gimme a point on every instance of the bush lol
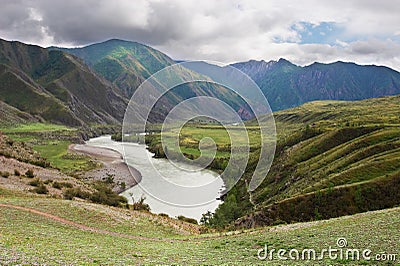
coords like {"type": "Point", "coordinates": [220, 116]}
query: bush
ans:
{"type": "Point", "coordinates": [41, 189]}
{"type": "Point", "coordinates": [60, 185]}
{"type": "Point", "coordinates": [71, 193]}
{"type": "Point", "coordinates": [16, 172]}
{"type": "Point", "coordinates": [29, 173]}
{"type": "Point", "coordinates": [122, 185]}
{"type": "Point", "coordinates": [57, 185]}
{"type": "Point", "coordinates": [104, 195]}
{"type": "Point", "coordinates": [35, 182]}
{"type": "Point", "coordinates": [140, 205]}
{"type": "Point", "coordinates": [117, 136]}
{"type": "Point", "coordinates": [109, 179]}
{"type": "Point", "coordinates": [187, 219]}
{"type": "Point", "coordinates": [5, 174]}
{"type": "Point", "coordinates": [163, 215]}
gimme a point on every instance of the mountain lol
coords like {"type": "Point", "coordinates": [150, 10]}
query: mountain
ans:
{"type": "Point", "coordinates": [127, 64]}
{"type": "Point", "coordinates": [56, 87]}
{"type": "Point", "coordinates": [286, 85]}
{"type": "Point", "coordinates": [10, 115]}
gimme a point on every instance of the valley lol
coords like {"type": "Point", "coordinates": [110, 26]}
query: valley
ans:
{"type": "Point", "coordinates": [335, 171]}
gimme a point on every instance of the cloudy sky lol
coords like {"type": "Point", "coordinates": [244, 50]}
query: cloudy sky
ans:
{"type": "Point", "coordinates": [363, 31]}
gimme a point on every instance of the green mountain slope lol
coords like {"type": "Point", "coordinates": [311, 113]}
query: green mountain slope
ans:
{"type": "Point", "coordinates": [124, 63]}
{"type": "Point", "coordinates": [10, 115]}
{"type": "Point", "coordinates": [56, 87]}
{"type": "Point", "coordinates": [348, 152]}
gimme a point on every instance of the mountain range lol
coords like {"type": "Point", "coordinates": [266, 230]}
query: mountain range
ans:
{"type": "Point", "coordinates": [286, 85]}
{"type": "Point", "coordinates": [92, 85]}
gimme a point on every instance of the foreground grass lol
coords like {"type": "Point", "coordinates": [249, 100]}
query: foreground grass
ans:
{"type": "Point", "coordinates": [27, 238]}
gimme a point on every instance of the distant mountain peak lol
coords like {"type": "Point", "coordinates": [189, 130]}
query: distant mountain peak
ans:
{"type": "Point", "coordinates": [283, 60]}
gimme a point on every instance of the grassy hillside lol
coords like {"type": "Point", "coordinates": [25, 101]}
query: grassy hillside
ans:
{"type": "Point", "coordinates": [51, 231]}
{"type": "Point", "coordinates": [56, 87]}
{"type": "Point", "coordinates": [44, 145]}
{"type": "Point", "coordinates": [126, 64]}
{"type": "Point", "coordinates": [10, 115]}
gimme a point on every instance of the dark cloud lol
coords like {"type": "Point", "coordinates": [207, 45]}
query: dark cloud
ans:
{"type": "Point", "coordinates": [223, 30]}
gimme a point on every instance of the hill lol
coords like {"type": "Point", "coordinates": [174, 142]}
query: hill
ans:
{"type": "Point", "coordinates": [56, 87]}
{"type": "Point", "coordinates": [37, 230]}
{"type": "Point", "coordinates": [287, 85]}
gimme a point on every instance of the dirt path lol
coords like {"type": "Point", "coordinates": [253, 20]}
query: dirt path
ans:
{"type": "Point", "coordinates": [197, 239]}
{"type": "Point", "coordinates": [83, 227]}
{"type": "Point", "coordinates": [110, 233]}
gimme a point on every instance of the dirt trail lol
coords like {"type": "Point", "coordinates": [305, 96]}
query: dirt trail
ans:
{"type": "Point", "coordinates": [84, 227]}
{"type": "Point", "coordinates": [110, 233]}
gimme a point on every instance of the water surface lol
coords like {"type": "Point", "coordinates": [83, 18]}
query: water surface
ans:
{"type": "Point", "coordinates": [167, 188]}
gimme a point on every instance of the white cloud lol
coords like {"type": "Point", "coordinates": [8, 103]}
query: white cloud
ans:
{"type": "Point", "coordinates": [222, 30]}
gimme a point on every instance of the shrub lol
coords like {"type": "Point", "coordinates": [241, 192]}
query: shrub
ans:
{"type": "Point", "coordinates": [71, 193]}
{"type": "Point", "coordinates": [35, 182]}
{"type": "Point", "coordinates": [29, 173]}
{"type": "Point", "coordinates": [57, 185]}
{"type": "Point", "coordinates": [60, 185]}
{"type": "Point", "coordinates": [123, 185]}
{"type": "Point", "coordinates": [16, 172]}
{"type": "Point", "coordinates": [163, 215]}
{"type": "Point", "coordinates": [140, 205]}
{"type": "Point", "coordinates": [187, 219]}
{"type": "Point", "coordinates": [41, 189]}
{"type": "Point", "coordinates": [104, 195]}
{"type": "Point", "coordinates": [5, 174]}
{"type": "Point", "coordinates": [117, 136]}
{"type": "Point", "coordinates": [109, 179]}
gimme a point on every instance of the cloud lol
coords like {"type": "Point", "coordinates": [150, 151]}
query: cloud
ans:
{"type": "Point", "coordinates": [223, 30]}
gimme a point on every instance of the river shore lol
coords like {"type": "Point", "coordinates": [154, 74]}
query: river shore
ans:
{"type": "Point", "coordinates": [113, 165]}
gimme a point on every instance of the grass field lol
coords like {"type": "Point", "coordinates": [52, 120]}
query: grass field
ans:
{"type": "Point", "coordinates": [56, 152]}
{"type": "Point", "coordinates": [51, 142]}
{"type": "Point", "coordinates": [35, 127]}
{"type": "Point", "coordinates": [143, 238]}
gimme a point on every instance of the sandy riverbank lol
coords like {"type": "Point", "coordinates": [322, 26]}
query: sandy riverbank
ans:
{"type": "Point", "coordinates": [113, 164]}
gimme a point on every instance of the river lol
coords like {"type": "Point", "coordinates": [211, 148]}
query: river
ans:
{"type": "Point", "coordinates": [168, 189]}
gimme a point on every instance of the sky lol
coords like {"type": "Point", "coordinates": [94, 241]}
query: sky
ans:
{"type": "Point", "coordinates": [303, 32]}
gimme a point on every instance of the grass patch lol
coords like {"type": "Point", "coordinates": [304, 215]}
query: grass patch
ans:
{"type": "Point", "coordinates": [35, 127]}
